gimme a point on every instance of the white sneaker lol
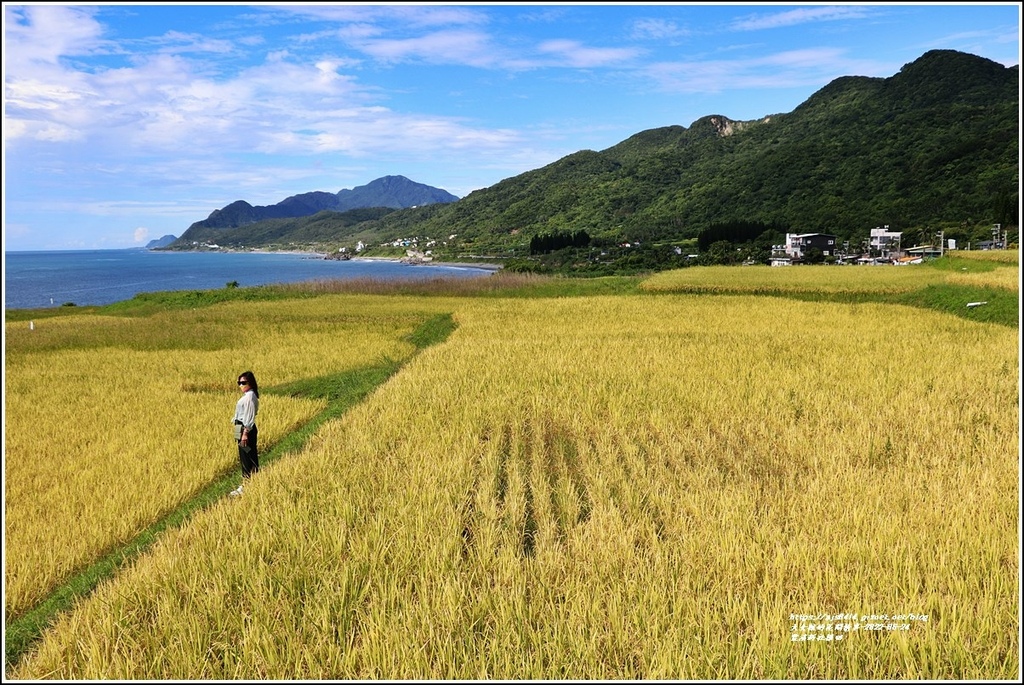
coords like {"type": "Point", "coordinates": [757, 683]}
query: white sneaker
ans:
{"type": "Point", "coordinates": [236, 492]}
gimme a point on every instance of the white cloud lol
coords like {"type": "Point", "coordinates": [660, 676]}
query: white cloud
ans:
{"type": "Point", "coordinates": [381, 133]}
{"type": "Point", "coordinates": [177, 42]}
{"type": "Point", "coordinates": [803, 15]}
{"type": "Point", "coordinates": [166, 102]}
{"type": "Point", "coordinates": [140, 235]}
{"type": "Point", "coordinates": [416, 15]}
{"type": "Point", "coordinates": [793, 68]}
{"type": "Point", "coordinates": [45, 33]}
{"type": "Point", "coordinates": [455, 46]}
{"type": "Point", "coordinates": [473, 48]}
{"type": "Point", "coordinates": [39, 95]}
{"type": "Point", "coordinates": [573, 54]}
{"type": "Point", "coordinates": [657, 29]}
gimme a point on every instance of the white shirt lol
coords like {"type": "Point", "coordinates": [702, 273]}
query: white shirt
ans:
{"type": "Point", "coordinates": [246, 408]}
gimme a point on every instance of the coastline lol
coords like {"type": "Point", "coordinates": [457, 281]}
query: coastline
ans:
{"type": "Point", "coordinates": [46, 279]}
{"type": "Point", "coordinates": [405, 260]}
{"type": "Point", "coordinates": [486, 266]}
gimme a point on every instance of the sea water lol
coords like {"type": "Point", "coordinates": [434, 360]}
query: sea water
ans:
{"type": "Point", "coordinates": [98, 277]}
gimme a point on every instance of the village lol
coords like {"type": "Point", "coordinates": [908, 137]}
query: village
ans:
{"type": "Point", "coordinates": [883, 247]}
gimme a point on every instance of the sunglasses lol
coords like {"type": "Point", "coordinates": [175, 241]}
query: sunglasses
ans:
{"type": "Point", "coordinates": [243, 382]}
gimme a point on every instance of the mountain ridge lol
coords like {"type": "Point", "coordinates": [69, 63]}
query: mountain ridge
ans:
{"type": "Point", "coordinates": [392, 192]}
{"type": "Point", "coordinates": [936, 145]}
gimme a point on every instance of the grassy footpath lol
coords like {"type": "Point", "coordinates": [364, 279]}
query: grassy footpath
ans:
{"type": "Point", "coordinates": [341, 391]}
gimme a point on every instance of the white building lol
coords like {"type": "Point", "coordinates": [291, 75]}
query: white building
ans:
{"type": "Point", "coordinates": [885, 242]}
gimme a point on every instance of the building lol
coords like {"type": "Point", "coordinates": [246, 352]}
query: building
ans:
{"type": "Point", "coordinates": [798, 243]}
{"type": "Point", "coordinates": [885, 243]}
{"type": "Point", "coordinates": [924, 251]}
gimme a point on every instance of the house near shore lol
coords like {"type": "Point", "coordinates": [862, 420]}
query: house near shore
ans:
{"type": "Point", "coordinates": [417, 257]}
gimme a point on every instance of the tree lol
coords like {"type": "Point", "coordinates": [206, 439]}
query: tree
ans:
{"type": "Point", "coordinates": [720, 252]}
{"type": "Point", "coordinates": [813, 255]}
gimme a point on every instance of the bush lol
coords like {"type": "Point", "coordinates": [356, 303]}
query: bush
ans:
{"type": "Point", "coordinates": [525, 266]}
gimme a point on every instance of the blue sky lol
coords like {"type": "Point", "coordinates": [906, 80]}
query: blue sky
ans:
{"type": "Point", "coordinates": [126, 122]}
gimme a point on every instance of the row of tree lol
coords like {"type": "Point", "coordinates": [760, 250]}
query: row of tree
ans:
{"type": "Point", "coordinates": [543, 243]}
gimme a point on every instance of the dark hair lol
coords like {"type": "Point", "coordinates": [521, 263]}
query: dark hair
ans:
{"type": "Point", "coordinates": [251, 378]}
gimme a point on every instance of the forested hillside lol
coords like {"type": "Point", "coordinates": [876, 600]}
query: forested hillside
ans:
{"type": "Point", "coordinates": [936, 144]}
{"type": "Point", "coordinates": [933, 147]}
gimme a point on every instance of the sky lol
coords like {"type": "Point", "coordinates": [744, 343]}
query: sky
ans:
{"type": "Point", "coordinates": [124, 122]}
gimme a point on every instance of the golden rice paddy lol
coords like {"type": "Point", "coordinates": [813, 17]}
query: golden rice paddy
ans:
{"type": "Point", "coordinates": [1001, 256]}
{"type": "Point", "coordinates": [832, 280]}
{"type": "Point", "coordinates": [129, 417]}
{"type": "Point", "coordinates": [822, 278]}
{"type": "Point", "coordinates": [645, 487]}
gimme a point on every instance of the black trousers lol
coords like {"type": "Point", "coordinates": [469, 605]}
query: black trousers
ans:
{"type": "Point", "coordinates": [248, 455]}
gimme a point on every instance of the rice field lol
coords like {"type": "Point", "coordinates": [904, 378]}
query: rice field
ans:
{"type": "Point", "coordinates": [999, 256]}
{"type": "Point", "coordinates": [615, 487]}
{"type": "Point", "coordinates": [991, 268]}
{"type": "Point", "coordinates": [824, 279]}
{"type": "Point", "coordinates": [112, 422]}
{"type": "Point", "coordinates": [1006, 278]}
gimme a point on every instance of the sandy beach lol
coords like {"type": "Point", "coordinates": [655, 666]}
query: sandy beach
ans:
{"type": "Point", "coordinates": [467, 265]}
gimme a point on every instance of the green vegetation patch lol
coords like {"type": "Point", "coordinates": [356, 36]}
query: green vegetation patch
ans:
{"type": "Point", "coordinates": [989, 305]}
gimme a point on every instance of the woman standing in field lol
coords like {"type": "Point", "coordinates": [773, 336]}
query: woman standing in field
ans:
{"type": "Point", "coordinates": [245, 427]}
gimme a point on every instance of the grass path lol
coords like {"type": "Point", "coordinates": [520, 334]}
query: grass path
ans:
{"type": "Point", "coordinates": [342, 391]}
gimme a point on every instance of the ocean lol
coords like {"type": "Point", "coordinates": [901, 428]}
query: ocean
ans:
{"type": "Point", "coordinates": [97, 277]}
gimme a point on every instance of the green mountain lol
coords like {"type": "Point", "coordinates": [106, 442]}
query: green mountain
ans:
{"type": "Point", "coordinates": [934, 146]}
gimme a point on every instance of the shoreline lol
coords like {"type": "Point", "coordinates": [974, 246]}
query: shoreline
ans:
{"type": "Point", "coordinates": [468, 265]}
{"type": "Point", "coordinates": [486, 266]}
{"type": "Point", "coordinates": [125, 274]}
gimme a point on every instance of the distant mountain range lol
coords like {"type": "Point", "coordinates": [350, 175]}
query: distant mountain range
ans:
{"type": "Point", "coordinates": [391, 192]}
